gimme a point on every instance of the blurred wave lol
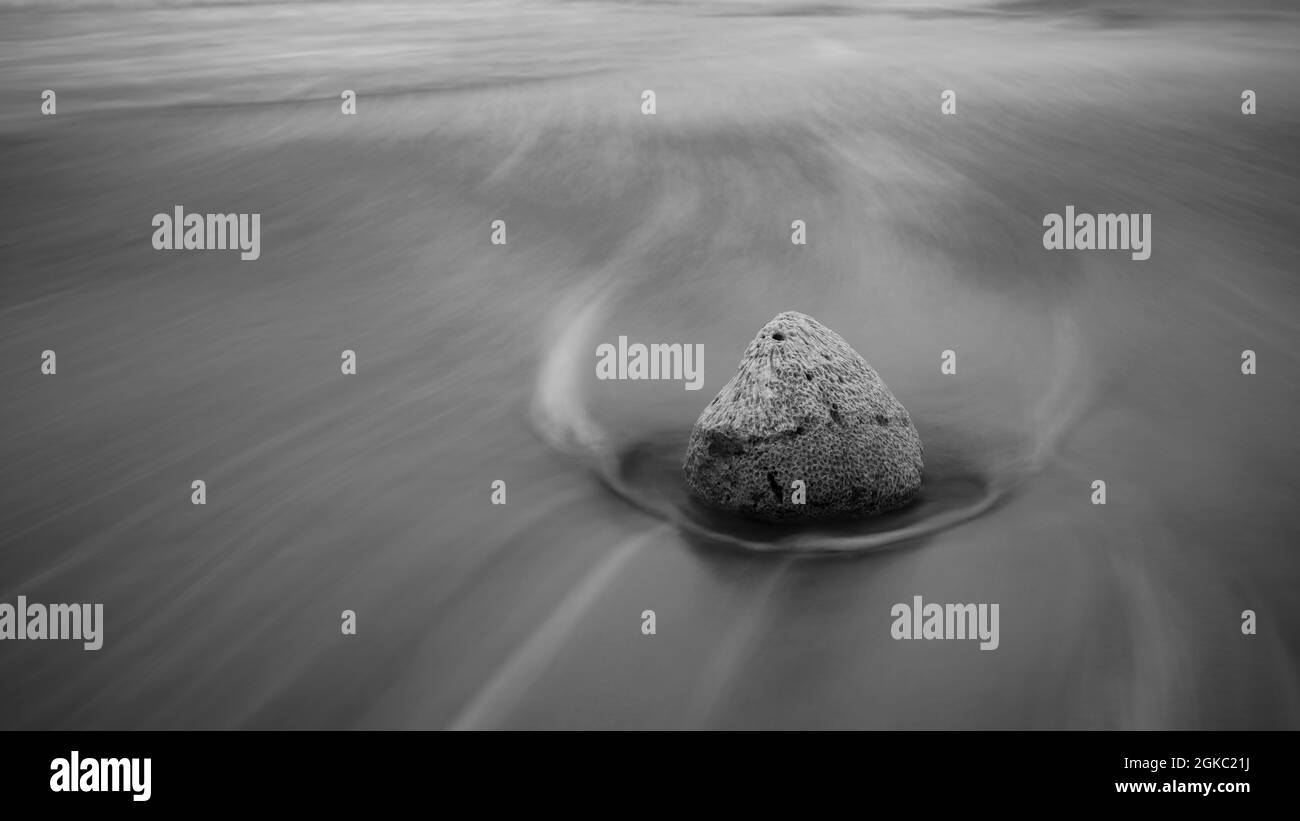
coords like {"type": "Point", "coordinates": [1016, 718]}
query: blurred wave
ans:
{"type": "Point", "coordinates": [372, 492]}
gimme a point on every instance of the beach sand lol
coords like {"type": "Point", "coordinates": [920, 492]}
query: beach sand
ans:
{"type": "Point", "coordinates": [371, 492]}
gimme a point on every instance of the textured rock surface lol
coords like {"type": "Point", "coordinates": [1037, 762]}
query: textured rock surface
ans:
{"type": "Point", "coordinates": [804, 405]}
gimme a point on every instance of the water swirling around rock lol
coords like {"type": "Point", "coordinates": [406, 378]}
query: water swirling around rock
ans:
{"type": "Point", "coordinates": [965, 476]}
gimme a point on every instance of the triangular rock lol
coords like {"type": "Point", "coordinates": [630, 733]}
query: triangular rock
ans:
{"type": "Point", "coordinates": [804, 406]}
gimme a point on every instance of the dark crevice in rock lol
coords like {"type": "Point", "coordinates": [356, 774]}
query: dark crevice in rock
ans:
{"type": "Point", "coordinates": [776, 489]}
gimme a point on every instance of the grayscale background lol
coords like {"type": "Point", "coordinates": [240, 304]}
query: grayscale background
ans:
{"type": "Point", "coordinates": [371, 492]}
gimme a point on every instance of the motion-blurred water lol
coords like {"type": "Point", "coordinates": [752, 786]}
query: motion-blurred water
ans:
{"type": "Point", "coordinates": [476, 362]}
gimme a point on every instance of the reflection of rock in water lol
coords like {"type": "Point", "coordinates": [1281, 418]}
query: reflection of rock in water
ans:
{"type": "Point", "coordinates": [805, 430]}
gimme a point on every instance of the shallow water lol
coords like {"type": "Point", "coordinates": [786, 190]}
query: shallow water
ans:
{"type": "Point", "coordinates": [476, 363]}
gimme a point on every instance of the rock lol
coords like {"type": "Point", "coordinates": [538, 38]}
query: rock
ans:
{"type": "Point", "coordinates": [804, 405]}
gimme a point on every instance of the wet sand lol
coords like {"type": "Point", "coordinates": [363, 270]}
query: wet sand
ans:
{"type": "Point", "coordinates": [372, 492]}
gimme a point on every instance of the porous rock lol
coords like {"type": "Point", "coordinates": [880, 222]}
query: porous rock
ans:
{"type": "Point", "coordinates": [803, 405]}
